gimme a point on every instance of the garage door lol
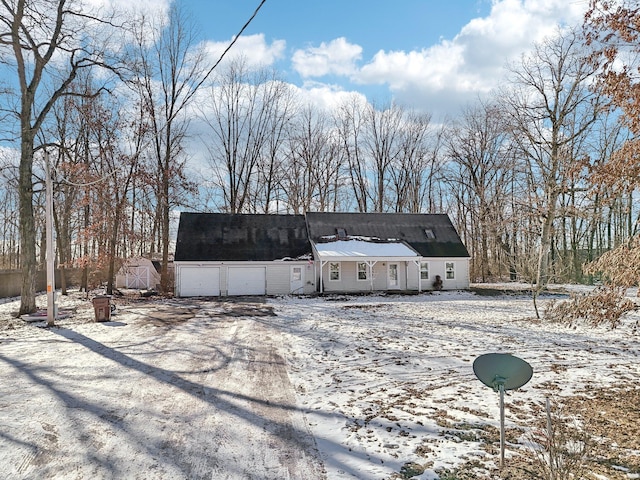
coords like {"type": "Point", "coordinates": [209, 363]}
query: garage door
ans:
{"type": "Point", "coordinates": [247, 281]}
{"type": "Point", "coordinates": [199, 281]}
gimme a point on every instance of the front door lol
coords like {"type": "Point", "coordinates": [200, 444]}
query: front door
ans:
{"type": "Point", "coordinates": [297, 279]}
{"type": "Point", "coordinates": [393, 275]}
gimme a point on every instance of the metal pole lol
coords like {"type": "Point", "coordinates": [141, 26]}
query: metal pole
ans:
{"type": "Point", "coordinates": [550, 440]}
{"type": "Point", "coordinates": [51, 279]}
{"type": "Point", "coordinates": [501, 426]}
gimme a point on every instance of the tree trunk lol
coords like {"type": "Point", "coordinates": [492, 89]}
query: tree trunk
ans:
{"type": "Point", "coordinates": [164, 274]}
{"type": "Point", "coordinates": [27, 224]}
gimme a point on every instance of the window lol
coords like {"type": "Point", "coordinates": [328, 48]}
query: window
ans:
{"type": "Point", "coordinates": [296, 274]}
{"type": "Point", "coordinates": [334, 271]}
{"type": "Point", "coordinates": [450, 269]}
{"type": "Point", "coordinates": [424, 270]}
{"type": "Point", "coordinates": [363, 273]}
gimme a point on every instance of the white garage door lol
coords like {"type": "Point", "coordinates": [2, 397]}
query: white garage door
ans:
{"type": "Point", "coordinates": [199, 281]}
{"type": "Point", "coordinates": [247, 281]}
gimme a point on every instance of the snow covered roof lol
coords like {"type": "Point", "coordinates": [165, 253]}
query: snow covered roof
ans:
{"type": "Point", "coordinates": [358, 249]}
{"type": "Point", "coordinates": [431, 235]}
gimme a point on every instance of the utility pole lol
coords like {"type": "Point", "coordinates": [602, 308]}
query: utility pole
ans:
{"type": "Point", "coordinates": [51, 275]}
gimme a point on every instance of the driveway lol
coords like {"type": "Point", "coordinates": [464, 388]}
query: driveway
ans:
{"type": "Point", "coordinates": [167, 390]}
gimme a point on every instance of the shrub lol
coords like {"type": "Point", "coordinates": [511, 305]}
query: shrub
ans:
{"type": "Point", "coordinates": [605, 305]}
{"type": "Point", "coordinates": [560, 451]}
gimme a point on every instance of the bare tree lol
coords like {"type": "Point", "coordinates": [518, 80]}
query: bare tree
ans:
{"type": "Point", "coordinates": [381, 139]}
{"type": "Point", "coordinates": [550, 107]}
{"type": "Point", "coordinates": [350, 119]}
{"type": "Point", "coordinates": [9, 239]}
{"type": "Point", "coordinates": [281, 109]}
{"type": "Point", "coordinates": [413, 167]}
{"type": "Point", "coordinates": [314, 165]}
{"type": "Point", "coordinates": [37, 38]}
{"type": "Point", "coordinates": [241, 111]}
{"type": "Point", "coordinates": [169, 73]}
{"type": "Point", "coordinates": [479, 148]}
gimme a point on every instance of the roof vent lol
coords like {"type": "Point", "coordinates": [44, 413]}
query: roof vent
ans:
{"type": "Point", "coordinates": [341, 233]}
{"type": "Point", "coordinates": [429, 233]}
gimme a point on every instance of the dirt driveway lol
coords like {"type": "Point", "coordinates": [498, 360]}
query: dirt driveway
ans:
{"type": "Point", "coordinates": [169, 390]}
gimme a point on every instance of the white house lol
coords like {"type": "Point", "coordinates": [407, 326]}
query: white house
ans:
{"type": "Point", "coordinates": [250, 254]}
{"type": "Point", "coordinates": [387, 252]}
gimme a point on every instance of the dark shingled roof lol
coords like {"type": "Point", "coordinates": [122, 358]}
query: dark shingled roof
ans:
{"type": "Point", "coordinates": [408, 227]}
{"type": "Point", "coordinates": [241, 237]}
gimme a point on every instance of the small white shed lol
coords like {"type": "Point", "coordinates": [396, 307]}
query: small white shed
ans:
{"type": "Point", "coordinates": [138, 273]}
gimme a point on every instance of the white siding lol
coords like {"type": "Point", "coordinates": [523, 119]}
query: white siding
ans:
{"type": "Point", "coordinates": [437, 267]}
{"type": "Point", "coordinates": [408, 276]}
{"type": "Point", "coordinates": [349, 278]}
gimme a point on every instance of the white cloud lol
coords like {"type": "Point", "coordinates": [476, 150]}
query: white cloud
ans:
{"type": "Point", "coordinates": [453, 71]}
{"type": "Point", "coordinates": [253, 48]}
{"type": "Point", "coordinates": [474, 59]}
{"type": "Point", "coordinates": [337, 57]}
{"type": "Point", "coordinates": [326, 97]}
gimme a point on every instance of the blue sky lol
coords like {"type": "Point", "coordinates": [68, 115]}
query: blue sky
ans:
{"type": "Point", "coordinates": [431, 55]}
{"type": "Point", "coordinates": [372, 24]}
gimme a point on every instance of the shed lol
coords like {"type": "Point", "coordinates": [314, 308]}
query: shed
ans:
{"type": "Point", "coordinates": [138, 273]}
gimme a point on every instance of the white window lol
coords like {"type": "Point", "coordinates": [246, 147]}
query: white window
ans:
{"type": "Point", "coordinates": [296, 274]}
{"type": "Point", "coordinates": [334, 271]}
{"type": "Point", "coordinates": [450, 269]}
{"type": "Point", "coordinates": [363, 273]}
{"type": "Point", "coordinates": [424, 270]}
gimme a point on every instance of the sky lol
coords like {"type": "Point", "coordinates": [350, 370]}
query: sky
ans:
{"type": "Point", "coordinates": [431, 55]}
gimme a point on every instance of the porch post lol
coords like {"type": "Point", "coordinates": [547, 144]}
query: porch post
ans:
{"type": "Point", "coordinates": [322, 264]}
{"type": "Point", "coordinates": [371, 264]}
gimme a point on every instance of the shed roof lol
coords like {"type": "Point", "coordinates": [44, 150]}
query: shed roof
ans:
{"type": "Point", "coordinates": [241, 237]}
{"type": "Point", "coordinates": [431, 235]}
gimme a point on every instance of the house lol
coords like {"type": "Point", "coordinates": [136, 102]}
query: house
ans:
{"type": "Point", "coordinates": [252, 254]}
{"type": "Point", "coordinates": [386, 252]}
{"type": "Point", "coordinates": [220, 254]}
{"type": "Point", "coordinates": [138, 273]}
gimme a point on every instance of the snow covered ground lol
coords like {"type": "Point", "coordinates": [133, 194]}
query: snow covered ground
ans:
{"type": "Point", "coordinates": [382, 386]}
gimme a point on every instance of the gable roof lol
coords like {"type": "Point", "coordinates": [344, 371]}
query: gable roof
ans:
{"type": "Point", "coordinates": [241, 237]}
{"type": "Point", "coordinates": [431, 235]}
